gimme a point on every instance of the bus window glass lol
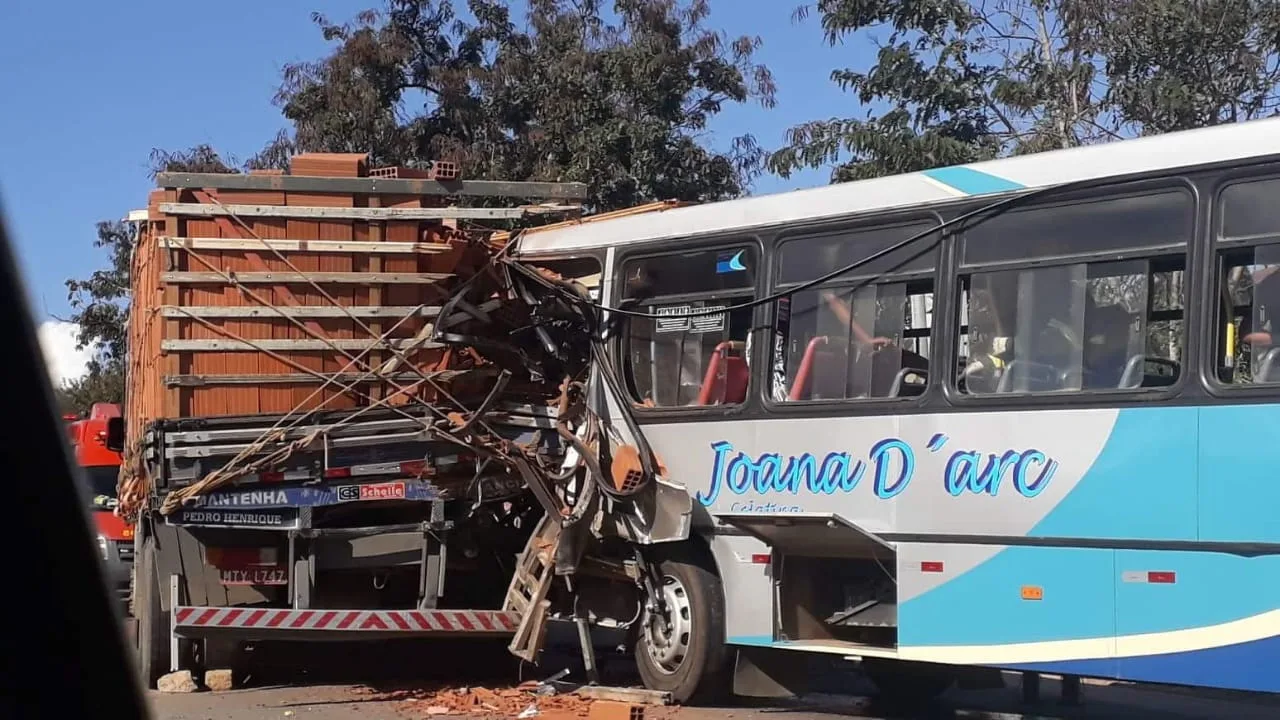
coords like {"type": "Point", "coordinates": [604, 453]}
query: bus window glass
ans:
{"type": "Point", "coordinates": [1084, 326]}
{"type": "Point", "coordinates": [1157, 221]}
{"type": "Point", "coordinates": [696, 352]}
{"type": "Point", "coordinates": [811, 256]}
{"type": "Point", "coordinates": [855, 343]}
{"type": "Point", "coordinates": [1249, 210]}
{"type": "Point", "coordinates": [850, 338]}
{"type": "Point", "coordinates": [1250, 342]}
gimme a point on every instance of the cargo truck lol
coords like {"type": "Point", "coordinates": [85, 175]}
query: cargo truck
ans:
{"type": "Point", "coordinates": [283, 459]}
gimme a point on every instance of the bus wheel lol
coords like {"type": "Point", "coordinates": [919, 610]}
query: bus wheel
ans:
{"type": "Point", "coordinates": [153, 621]}
{"type": "Point", "coordinates": [682, 651]}
{"type": "Point", "coordinates": [908, 683]}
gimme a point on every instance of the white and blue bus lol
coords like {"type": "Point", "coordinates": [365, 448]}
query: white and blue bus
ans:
{"type": "Point", "coordinates": [1033, 437]}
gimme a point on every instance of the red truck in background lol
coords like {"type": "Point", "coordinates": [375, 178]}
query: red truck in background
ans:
{"type": "Point", "coordinates": [100, 470]}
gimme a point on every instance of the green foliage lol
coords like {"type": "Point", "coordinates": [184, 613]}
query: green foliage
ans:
{"type": "Point", "coordinates": [196, 159]}
{"type": "Point", "coordinates": [77, 396]}
{"type": "Point", "coordinates": [957, 81]}
{"type": "Point", "coordinates": [1177, 64]}
{"type": "Point", "coordinates": [99, 303]}
{"type": "Point", "coordinates": [617, 97]}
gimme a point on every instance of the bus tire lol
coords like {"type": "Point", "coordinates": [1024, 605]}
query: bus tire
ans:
{"type": "Point", "coordinates": [153, 621]}
{"type": "Point", "coordinates": [908, 683]}
{"type": "Point", "coordinates": [688, 658]}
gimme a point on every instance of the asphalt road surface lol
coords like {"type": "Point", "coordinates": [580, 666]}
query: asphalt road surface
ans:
{"type": "Point", "coordinates": [332, 682]}
{"type": "Point", "coordinates": [336, 702]}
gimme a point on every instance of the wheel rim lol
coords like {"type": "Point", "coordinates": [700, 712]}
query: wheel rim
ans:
{"type": "Point", "coordinates": [668, 642]}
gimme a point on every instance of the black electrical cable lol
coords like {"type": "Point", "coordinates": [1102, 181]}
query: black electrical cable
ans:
{"type": "Point", "coordinates": [989, 210]}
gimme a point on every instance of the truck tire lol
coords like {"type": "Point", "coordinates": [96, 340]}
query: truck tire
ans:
{"type": "Point", "coordinates": [687, 657]}
{"type": "Point", "coordinates": [153, 621]}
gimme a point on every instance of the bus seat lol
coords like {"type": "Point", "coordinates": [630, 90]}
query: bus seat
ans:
{"type": "Point", "coordinates": [800, 386]}
{"type": "Point", "coordinates": [892, 373]}
{"type": "Point", "coordinates": [1142, 371]}
{"type": "Point", "coordinates": [909, 382]}
{"type": "Point", "coordinates": [727, 376]}
{"type": "Point", "coordinates": [1029, 376]}
{"type": "Point", "coordinates": [1132, 376]}
{"type": "Point", "coordinates": [1267, 370]}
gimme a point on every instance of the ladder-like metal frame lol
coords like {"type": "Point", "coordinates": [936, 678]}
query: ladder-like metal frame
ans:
{"type": "Point", "coordinates": [527, 594]}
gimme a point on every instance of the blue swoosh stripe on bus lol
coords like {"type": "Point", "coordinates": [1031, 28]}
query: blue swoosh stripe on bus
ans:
{"type": "Point", "coordinates": [972, 182]}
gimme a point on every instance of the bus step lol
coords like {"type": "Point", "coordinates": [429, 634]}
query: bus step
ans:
{"type": "Point", "coordinates": [871, 613]}
{"type": "Point", "coordinates": [527, 594]}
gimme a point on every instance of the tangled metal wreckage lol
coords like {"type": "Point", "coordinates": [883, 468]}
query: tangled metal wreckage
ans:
{"type": "Point", "coordinates": [518, 425]}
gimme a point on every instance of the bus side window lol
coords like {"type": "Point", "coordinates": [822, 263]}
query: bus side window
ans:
{"type": "Point", "coordinates": [1248, 340]}
{"type": "Point", "coordinates": [695, 352]}
{"type": "Point", "coordinates": [1083, 326]}
{"type": "Point", "coordinates": [1249, 345]}
{"type": "Point", "coordinates": [866, 336]}
{"type": "Point", "coordinates": [1075, 296]}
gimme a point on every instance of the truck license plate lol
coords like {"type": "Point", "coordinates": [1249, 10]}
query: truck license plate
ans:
{"type": "Point", "coordinates": [256, 576]}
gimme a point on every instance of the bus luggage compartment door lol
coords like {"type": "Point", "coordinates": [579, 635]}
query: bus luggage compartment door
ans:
{"type": "Point", "coordinates": [833, 581]}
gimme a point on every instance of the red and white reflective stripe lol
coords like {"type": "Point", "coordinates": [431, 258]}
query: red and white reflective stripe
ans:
{"type": "Point", "coordinates": [1155, 577]}
{"type": "Point", "coordinates": [477, 621]}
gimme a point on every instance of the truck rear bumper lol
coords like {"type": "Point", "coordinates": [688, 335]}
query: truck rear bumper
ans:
{"type": "Point", "coordinates": [284, 624]}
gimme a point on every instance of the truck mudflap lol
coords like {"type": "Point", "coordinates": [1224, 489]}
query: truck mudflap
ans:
{"type": "Point", "coordinates": [268, 623]}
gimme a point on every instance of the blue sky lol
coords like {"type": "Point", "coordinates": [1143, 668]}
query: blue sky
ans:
{"type": "Point", "coordinates": [89, 88]}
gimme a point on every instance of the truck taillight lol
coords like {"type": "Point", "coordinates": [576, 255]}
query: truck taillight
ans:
{"type": "Point", "coordinates": [416, 468]}
{"type": "Point", "coordinates": [337, 473]}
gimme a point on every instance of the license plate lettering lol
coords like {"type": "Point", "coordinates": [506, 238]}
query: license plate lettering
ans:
{"type": "Point", "coordinates": [256, 576]}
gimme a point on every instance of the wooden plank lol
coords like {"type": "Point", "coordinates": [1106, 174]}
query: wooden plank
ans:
{"type": "Point", "coordinates": [624, 694]}
{"type": "Point", "coordinates": [207, 345]}
{"type": "Point", "coordinates": [376, 232]}
{"type": "Point", "coordinates": [392, 186]}
{"type": "Point", "coordinates": [274, 278]}
{"type": "Point", "coordinates": [359, 213]}
{"type": "Point", "coordinates": [292, 378]}
{"type": "Point", "coordinates": [286, 245]}
{"type": "Point", "coordinates": [320, 311]}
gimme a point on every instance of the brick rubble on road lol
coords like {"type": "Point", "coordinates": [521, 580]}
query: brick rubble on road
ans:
{"type": "Point", "coordinates": [505, 702]}
{"type": "Point", "coordinates": [178, 682]}
{"type": "Point", "coordinates": [218, 680]}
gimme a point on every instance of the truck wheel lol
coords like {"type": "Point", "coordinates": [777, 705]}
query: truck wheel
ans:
{"type": "Point", "coordinates": [153, 621]}
{"type": "Point", "coordinates": [685, 655]}
{"type": "Point", "coordinates": [908, 683]}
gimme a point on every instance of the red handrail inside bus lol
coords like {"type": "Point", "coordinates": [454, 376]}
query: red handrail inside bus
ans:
{"type": "Point", "coordinates": [726, 373]}
{"type": "Point", "coordinates": [800, 386]}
